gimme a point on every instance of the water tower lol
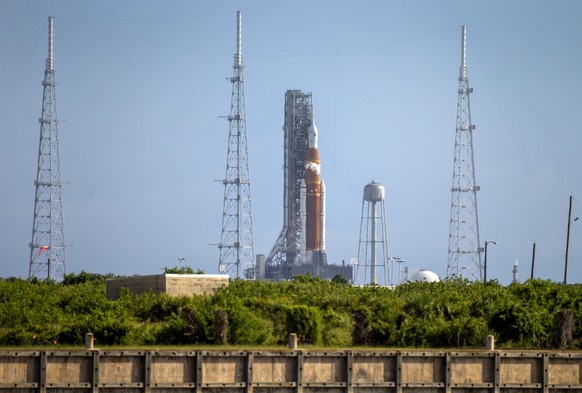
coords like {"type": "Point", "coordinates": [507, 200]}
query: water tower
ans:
{"type": "Point", "coordinates": [372, 247]}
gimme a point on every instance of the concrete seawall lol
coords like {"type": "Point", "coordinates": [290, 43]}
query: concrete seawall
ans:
{"type": "Point", "coordinates": [302, 371]}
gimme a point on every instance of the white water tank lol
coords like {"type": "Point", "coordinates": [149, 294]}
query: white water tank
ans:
{"type": "Point", "coordinates": [374, 192]}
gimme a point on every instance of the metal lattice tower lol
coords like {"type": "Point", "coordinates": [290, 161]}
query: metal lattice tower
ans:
{"type": "Point", "coordinates": [464, 257]}
{"type": "Point", "coordinates": [287, 249]}
{"type": "Point", "coordinates": [47, 248]}
{"type": "Point", "coordinates": [236, 243]}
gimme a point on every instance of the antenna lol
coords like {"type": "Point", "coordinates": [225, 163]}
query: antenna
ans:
{"type": "Point", "coordinates": [464, 257]}
{"type": "Point", "coordinates": [236, 245]}
{"type": "Point", "coordinates": [463, 69]}
{"type": "Point", "coordinates": [238, 54]}
{"type": "Point", "coordinates": [47, 247]}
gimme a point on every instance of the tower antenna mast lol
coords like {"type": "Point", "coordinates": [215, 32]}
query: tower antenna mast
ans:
{"type": "Point", "coordinates": [47, 248]}
{"type": "Point", "coordinates": [236, 245]}
{"type": "Point", "coordinates": [464, 257]}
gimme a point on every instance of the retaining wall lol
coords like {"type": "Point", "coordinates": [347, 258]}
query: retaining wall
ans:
{"type": "Point", "coordinates": [301, 371]}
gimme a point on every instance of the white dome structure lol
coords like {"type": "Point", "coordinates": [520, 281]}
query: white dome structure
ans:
{"type": "Point", "coordinates": [424, 276]}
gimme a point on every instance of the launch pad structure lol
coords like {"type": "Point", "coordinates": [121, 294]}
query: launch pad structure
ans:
{"type": "Point", "coordinates": [47, 247]}
{"type": "Point", "coordinates": [300, 247]}
{"type": "Point", "coordinates": [236, 241]}
{"type": "Point", "coordinates": [464, 257]}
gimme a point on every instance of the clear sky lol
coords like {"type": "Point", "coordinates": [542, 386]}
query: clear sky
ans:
{"type": "Point", "coordinates": [141, 86]}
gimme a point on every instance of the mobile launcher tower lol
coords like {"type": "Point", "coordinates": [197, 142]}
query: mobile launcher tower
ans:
{"type": "Point", "coordinates": [300, 247]}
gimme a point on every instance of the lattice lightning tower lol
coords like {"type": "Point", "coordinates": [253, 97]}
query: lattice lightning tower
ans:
{"type": "Point", "coordinates": [47, 248]}
{"type": "Point", "coordinates": [236, 244]}
{"type": "Point", "coordinates": [464, 257]}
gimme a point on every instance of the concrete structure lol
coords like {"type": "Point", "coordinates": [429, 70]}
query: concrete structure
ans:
{"type": "Point", "coordinates": [290, 371]}
{"type": "Point", "coordinates": [171, 284]}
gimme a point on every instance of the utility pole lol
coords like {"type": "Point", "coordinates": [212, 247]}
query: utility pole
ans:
{"type": "Point", "coordinates": [568, 241]}
{"type": "Point", "coordinates": [487, 242]}
{"type": "Point", "coordinates": [464, 257]}
{"type": "Point", "coordinates": [48, 232]}
{"type": "Point", "coordinates": [533, 260]}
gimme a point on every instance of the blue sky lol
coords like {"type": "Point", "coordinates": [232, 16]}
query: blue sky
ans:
{"type": "Point", "coordinates": [142, 85]}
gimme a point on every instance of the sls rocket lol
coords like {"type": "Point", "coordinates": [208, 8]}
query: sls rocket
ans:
{"type": "Point", "coordinates": [313, 204]}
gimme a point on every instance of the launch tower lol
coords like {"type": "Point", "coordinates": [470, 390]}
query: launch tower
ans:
{"type": "Point", "coordinates": [236, 243]}
{"type": "Point", "coordinates": [287, 249]}
{"type": "Point", "coordinates": [300, 247]}
{"type": "Point", "coordinates": [47, 248]}
{"type": "Point", "coordinates": [464, 257]}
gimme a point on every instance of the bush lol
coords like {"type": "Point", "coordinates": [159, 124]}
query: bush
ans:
{"type": "Point", "coordinates": [361, 329]}
{"type": "Point", "coordinates": [451, 313]}
{"type": "Point", "coordinates": [306, 322]}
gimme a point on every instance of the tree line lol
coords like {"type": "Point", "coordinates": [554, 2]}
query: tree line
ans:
{"type": "Point", "coordinates": [451, 313]}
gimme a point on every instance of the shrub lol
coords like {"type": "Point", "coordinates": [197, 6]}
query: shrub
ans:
{"type": "Point", "coordinates": [306, 322]}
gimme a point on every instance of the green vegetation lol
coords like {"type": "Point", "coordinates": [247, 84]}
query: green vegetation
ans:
{"type": "Point", "coordinates": [182, 270]}
{"type": "Point", "coordinates": [454, 313]}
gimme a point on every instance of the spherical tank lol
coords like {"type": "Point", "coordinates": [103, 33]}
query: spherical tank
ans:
{"type": "Point", "coordinates": [374, 192]}
{"type": "Point", "coordinates": [424, 275]}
